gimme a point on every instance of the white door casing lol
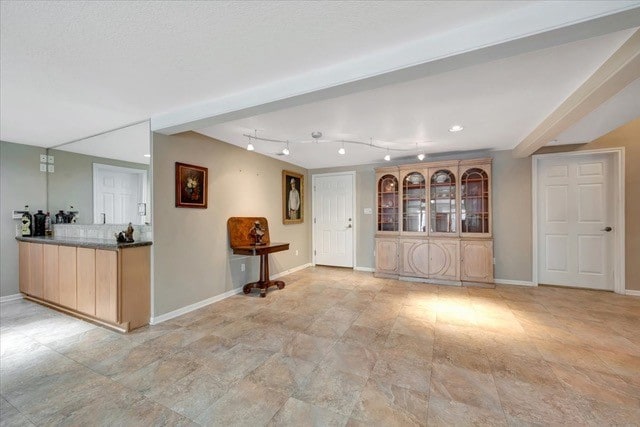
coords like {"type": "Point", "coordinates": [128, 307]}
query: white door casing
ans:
{"type": "Point", "coordinates": [116, 194]}
{"type": "Point", "coordinates": [334, 219]}
{"type": "Point", "coordinates": [575, 199]}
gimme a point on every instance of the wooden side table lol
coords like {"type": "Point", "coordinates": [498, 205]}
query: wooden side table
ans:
{"type": "Point", "coordinates": [263, 251]}
{"type": "Point", "coordinates": [243, 242]}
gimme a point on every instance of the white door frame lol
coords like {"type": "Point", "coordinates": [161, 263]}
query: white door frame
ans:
{"type": "Point", "coordinates": [143, 175]}
{"type": "Point", "coordinates": [313, 210]}
{"type": "Point", "coordinates": [618, 261]}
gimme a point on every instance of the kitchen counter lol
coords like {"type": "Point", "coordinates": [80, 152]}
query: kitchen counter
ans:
{"type": "Point", "coordinates": [84, 242]}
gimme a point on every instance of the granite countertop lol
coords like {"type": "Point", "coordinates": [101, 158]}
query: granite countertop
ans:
{"type": "Point", "coordinates": [83, 242]}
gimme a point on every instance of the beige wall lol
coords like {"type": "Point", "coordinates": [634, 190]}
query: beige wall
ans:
{"type": "Point", "coordinates": [72, 182]}
{"type": "Point", "coordinates": [192, 259]}
{"type": "Point", "coordinates": [21, 183]}
{"type": "Point", "coordinates": [627, 136]}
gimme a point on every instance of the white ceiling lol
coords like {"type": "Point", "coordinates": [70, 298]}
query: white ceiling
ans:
{"type": "Point", "coordinates": [400, 72]}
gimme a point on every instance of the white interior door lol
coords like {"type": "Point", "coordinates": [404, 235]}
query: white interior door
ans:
{"type": "Point", "coordinates": [575, 210]}
{"type": "Point", "coordinates": [117, 192]}
{"type": "Point", "coordinates": [334, 222]}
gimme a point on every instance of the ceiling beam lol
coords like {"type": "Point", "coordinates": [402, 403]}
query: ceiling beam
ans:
{"type": "Point", "coordinates": [622, 68]}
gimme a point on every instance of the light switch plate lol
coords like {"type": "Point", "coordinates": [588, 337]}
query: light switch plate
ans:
{"type": "Point", "coordinates": [368, 211]}
{"type": "Point", "coordinates": [43, 158]}
{"type": "Point", "coordinates": [50, 159]}
{"type": "Point", "coordinates": [52, 169]}
{"type": "Point", "coordinates": [43, 167]}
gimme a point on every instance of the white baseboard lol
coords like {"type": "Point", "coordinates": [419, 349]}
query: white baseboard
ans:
{"type": "Point", "coordinates": [189, 308]}
{"type": "Point", "coordinates": [291, 270]}
{"type": "Point", "coordinates": [632, 293]}
{"type": "Point", "coordinates": [513, 282]}
{"type": "Point", "coordinates": [369, 269]}
{"type": "Point", "coordinates": [8, 298]}
{"type": "Point", "coordinates": [208, 301]}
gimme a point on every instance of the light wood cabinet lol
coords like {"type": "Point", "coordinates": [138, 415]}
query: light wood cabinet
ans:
{"type": "Point", "coordinates": [67, 276]}
{"type": "Point", "coordinates": [51, 273]}
{"type": "Point", "coordinates": [86, 286]}
{"type": "Point", "coordinates": [477, 260]}
{"type": "Point", "coordinates": [111, 287]}
{"type": "Point", "coordinates": [107, 285]}
{"type": "Point", "coordinates": [434, 221]}
{"type": "Point", "coordinates": [387, 256]}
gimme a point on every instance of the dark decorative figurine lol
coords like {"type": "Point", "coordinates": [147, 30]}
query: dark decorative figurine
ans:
{"type": "Point", "coordinates": [125, 236]}
{"type": "Point", "coordinates": [256, 233]}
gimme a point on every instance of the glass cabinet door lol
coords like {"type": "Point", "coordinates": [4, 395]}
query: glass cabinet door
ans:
{"type": "Point", "coordinates": [388, 203]}
{"type": "Point", "coordinates": [475, 201]}
{"type": "Point", "coordinates": [414, 212]}
{"type": "Point", "coordinates": [443, 202]}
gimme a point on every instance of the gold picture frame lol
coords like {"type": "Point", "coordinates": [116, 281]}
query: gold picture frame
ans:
{"type": "Point", "coordinates": [292, 197]}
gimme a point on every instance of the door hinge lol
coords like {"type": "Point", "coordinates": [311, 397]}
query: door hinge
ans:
{"type": "Point", "coordinates": [314, 220]}
{"type": "Point", "coordinates": [314, 252]}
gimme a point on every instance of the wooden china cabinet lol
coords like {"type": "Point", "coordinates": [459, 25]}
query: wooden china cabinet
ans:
{"type": "Point", "coordinates": [434, 222]}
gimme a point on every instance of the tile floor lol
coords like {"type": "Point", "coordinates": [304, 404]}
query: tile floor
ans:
{"type": "Point", "coordinates": [335, 348]}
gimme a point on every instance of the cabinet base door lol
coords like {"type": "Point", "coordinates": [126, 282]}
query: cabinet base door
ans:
{"type": "Point", "coordinates": [443, 259]}
{"type": "Point", "coordinates": [387, 256]}
{"type": "Point", "coordinates": [477, 261]}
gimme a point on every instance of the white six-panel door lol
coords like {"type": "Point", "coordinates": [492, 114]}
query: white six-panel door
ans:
{"type": "Point", "coordinates": [334, 221]}
{"type": "Point", "coordinates": [575, 208]}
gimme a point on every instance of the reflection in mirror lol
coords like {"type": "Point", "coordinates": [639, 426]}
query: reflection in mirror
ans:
{"type": "Point", "coordinates": [119, 193]}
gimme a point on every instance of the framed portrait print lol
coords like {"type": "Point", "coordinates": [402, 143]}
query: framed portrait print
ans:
{"type": "Point", "coordinates": [191, 186]}
{"type": "Point", "coordinates": [292, 197]}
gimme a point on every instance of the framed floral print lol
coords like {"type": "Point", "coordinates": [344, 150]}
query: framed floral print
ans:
{"type": "Point", "coordinates": [292, 197]}
{"type": "Point", "coordinates": [191, 186]}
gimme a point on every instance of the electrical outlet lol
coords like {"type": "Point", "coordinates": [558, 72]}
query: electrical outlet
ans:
{"type": "Point", "coordinates": [50, 159]}
{"type": "Point", "coordinates": [43, 158]}
{"type": "Point", "coordinates": [52, 169]}
{"type": "Point", "coordinates": [43, 167]}
{"type": "Point", "coordinates": [241, 267]}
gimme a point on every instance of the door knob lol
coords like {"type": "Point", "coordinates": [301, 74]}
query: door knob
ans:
{"type": "Point", "coordinates": [607, 229]}
{"type": "Point", "coordinates": [349, 226]}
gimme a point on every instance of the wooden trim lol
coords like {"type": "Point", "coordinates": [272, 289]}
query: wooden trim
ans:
{"type": "Point", "coordinates": [618, 71]}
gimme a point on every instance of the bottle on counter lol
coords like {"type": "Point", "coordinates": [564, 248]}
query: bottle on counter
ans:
{"type": "Point", "coordinates": [60, 217]}
{"type": "Point", "coordinates": [27, 223]}
{"type": "Point", "coordinates": [38, 220]}
{"type": "Point", "coordinates": [47, 225]}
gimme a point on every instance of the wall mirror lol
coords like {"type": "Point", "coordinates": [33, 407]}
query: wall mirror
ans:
{"type": "Point", "coordinates": [104, 179]}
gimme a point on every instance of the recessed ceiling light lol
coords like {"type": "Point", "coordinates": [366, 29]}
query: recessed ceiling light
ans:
{"type": "Point", "coordinates": [147, 155]}
{"type": "Point", "coordinates": [341, 151]}
{"type": "Point", "coordinates": [387, 157]}
{"type": "Point", "coordinates": [455, 128]}
{"type": "Point", "coordinates": [285, 151]}
{"type": "Point", "coordinates": [421, 157]}
{"type": "Point", "coordinates": [250, 147]}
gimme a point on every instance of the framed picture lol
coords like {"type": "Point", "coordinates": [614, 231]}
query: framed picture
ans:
{"type": "Point", "coordinates": [191, 186]}
{"type": "Point", "coordinates": [292, 197]}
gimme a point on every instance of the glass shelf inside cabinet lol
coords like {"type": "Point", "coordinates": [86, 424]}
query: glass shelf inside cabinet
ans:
{"type": "Point", "coordinates": [414, 212]}
{"type": "Point", "coordinates": [443, 202]}
{"type": "Point", "coordinates": [475, 201]}
{"type": "Point", "coordinates": [388, 203]}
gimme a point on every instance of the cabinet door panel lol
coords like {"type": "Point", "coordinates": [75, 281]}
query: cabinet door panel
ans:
{"type": "Point", "coordinates": [36, 270]}
{"type": "Point", "coordinates": [107, 285]}
{"type": "Point", "coordinates": [415, 258]}
{"type": "Point", "coordinates": [23, 267]}
{"type": "Point", "coordinates": [51, 279]}
{"type": "Point", "coordinates": [86, 285]}
{"type": "Point", "coordinates": [443, 259]}
{"type": "Point", "coordinates": [67, 275]}
{"type": "Point", "coordinates": [477, 260]}
{"type": "Point", "coordinates": [387, 255]}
